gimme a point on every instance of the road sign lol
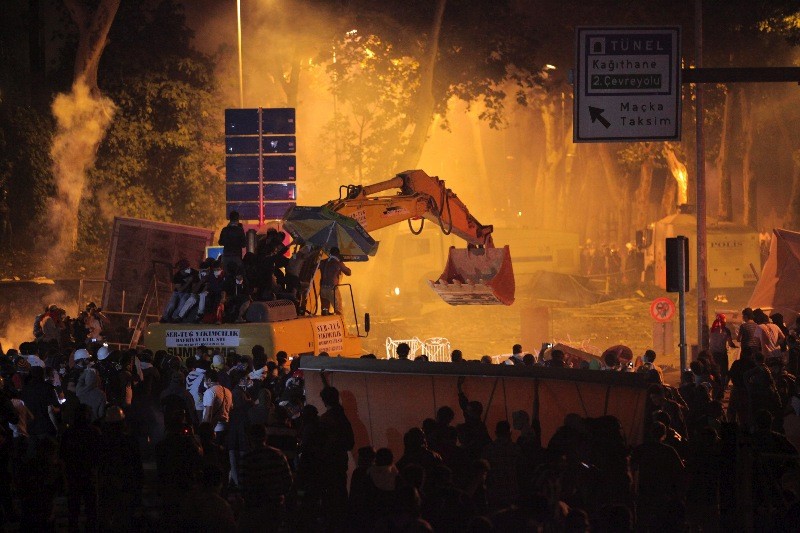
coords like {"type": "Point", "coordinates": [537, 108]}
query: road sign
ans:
{"type": "Point", "coordinates": [662, 309]}
{"type": "Point", "coordinates": [627, 84]}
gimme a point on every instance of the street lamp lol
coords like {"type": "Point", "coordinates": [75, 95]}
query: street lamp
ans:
{"type": "Point", "coordinates": [241, 76]}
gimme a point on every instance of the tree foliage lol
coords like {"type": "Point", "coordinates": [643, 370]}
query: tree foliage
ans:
{"type": "Point", "coordinates": [162, 156]}
{"type": "Point", "coordinates": [381, 79]}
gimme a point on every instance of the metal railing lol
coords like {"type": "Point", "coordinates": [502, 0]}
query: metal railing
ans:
{"type": "Point", "coordinates": [437, 349]}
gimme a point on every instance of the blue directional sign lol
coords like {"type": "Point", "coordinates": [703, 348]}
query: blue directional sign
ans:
{"type": "Point", "coordinates": [260, 165]}
{"type": "Point", "coordinates": [627, 84]}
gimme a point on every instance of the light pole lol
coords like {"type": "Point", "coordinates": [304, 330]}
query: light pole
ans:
{"type": "Point", "coordinates": [241, 76]}
{"type": "Point", "coordinates": [702, 257]}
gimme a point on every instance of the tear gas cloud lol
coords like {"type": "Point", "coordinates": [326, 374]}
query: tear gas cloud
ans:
{"type": "Point", "coordinates": [82, 120]}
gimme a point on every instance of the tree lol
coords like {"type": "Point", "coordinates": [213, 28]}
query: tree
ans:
{"type": "Point", "coordinates": [162, 157]}
{"type": "Point", "coordinates": [82, 117]}
{"type": "Point", "coordinates": [764, 32]}
{"type": "Point", "coordinates": [427, 55]}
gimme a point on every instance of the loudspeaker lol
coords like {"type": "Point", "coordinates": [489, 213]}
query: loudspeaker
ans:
{"type": "Point", "coordinates": [677, 253]}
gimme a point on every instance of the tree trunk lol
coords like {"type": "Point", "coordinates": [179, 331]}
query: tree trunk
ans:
{"type": "Point", "coordinates": [92, 38]}
{"type": "Point", "coordinates": [748, 178]}
{"type": "Point", "coordinates": [641, 198]}
{"type": "Point", "coordinates": [724, 163]}
{"type": "Point", "coordinates": [610, 172]}
{"type": "Point", "coordinates": [293, 85]}
{"type": "Point", "coordinates": [669, 203]}
{"type": "Point", "coordinates": [618, 197]}
{"type": "Point", "coordinates": [566, 194]}
{"type": "Point", "coordinates": [422, 114]}
{"type": "Point", "coordinates": [36, 54]}
{"type": "Point", "coordinates": [82, 116]}
{"type": "Point", "coordinates": [288, 83]}
{"type": "Point", "coordinates": [549, 165]}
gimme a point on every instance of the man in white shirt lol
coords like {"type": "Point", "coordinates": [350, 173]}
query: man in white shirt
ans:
{"type": "Point", "coordinates": [217, 402]}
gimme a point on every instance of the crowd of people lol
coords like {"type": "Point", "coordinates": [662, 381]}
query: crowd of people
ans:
{"type": "Point", "coordinates": [222, 290]}
{"type": "Point", "coordinates": [53, 326]}
{"type": "Point", "coordinates": [235, 445]}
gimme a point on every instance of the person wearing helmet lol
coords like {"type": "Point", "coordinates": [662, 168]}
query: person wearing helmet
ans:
{"type": "Point", "coordinates": [79, 361]}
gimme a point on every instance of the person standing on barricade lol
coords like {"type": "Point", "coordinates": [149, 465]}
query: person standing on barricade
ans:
{"type": "Point", "coordinates": [232, 239]}
{"type": "Point", "coordinates": [331, 270]}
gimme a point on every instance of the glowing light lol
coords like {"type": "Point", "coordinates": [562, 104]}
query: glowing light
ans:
{"type": "Point", "coordinates": [397, 291]}
{"type": "Point", "coordinates": [369, 53]}
{"type": "Point", "coordinates": [351, 32]}
{"type": "Point", "coordinates": [680, 174]}
{"type": "Point", "coordinates": [239, 38]}
{"type": "Point", "coordinates": [519, 213]}
{"type": "Point", "coordinates": [549, 67]}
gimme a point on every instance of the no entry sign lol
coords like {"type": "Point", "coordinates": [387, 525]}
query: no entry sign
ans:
{"type": "Point", "coordinates": [662, 309]}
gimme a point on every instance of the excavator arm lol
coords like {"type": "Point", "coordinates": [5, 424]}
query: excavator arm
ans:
{"type": "Point", "coordinates": [420, 196]}
{"type": "Point", "coordinates": [478, 275]}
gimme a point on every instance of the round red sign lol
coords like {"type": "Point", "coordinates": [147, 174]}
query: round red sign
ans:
{"type": "Point", "coordinates": [662, 309]}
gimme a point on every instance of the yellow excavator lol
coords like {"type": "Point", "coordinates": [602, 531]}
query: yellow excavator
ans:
{"type": "Point", "coordinates": [478, 275]}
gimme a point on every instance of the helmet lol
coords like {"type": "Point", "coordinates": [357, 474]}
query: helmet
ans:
{"type": "Point", "coordinates": [81, 354]}
{"type": "Point", "coordinates": [102, 353]}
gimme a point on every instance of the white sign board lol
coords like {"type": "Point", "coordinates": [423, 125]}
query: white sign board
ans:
{"type": "Point", "coordinates": [627, 84]}
{"type": "Point", "coordinates": [329, 336]}
{"type": "Point", "coordinates": [212, 337]}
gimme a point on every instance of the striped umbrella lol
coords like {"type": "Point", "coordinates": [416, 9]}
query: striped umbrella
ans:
{"type": "Point", "coordinates": [326, 229]}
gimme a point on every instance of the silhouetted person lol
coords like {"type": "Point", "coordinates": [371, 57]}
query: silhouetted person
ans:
{"type": "Point", "coordinates": [40, 479]}
{"type": "Point", "coordinates": [120, 473]}
{"type": "Point", "coordinates": [337, 435]}
{"type": "Point", "coordinates": [416, 451]}
{"type": "Point", "coordinates": [504, 458]}
{"type": "Point", "coordinates": [232, 239]}
{"type": "Point", "coordinates": [660, 487]}
{"type": "Point", "coordinates": [265, 481]}
{"type": "Point", "coordinates": [80, 446]}
{"type": "Point", "coordinates": [472, 433]}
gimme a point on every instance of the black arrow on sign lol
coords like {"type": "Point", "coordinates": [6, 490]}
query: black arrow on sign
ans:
{"type": "Point", "coordinates": [597, 114]}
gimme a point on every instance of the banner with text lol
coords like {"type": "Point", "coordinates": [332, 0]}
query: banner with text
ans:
{"type": "Point", "coordinates": [210, 337]}
{"type": "Point", "coordinates": [329, 335]}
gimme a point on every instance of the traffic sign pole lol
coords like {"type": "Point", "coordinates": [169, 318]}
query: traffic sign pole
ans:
{"type": "Point", "coordinates": [682, 312]}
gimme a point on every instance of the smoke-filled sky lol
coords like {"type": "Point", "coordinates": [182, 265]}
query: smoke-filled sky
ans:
{"type": "Point", "coordinates": [494, 171]}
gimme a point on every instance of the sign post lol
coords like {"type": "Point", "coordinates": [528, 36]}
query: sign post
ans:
{"type": "Point", "coordinates": [627, 84]}
{"type": "Point", "coordinates": [678, 281]}
{"type": "Point", "coordinates": [662, 311]}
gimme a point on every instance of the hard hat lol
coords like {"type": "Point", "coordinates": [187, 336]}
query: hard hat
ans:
{"type": "Point", "coordinates": [102, 353]}
{"type": "Point", "coordinates": [81, 354]}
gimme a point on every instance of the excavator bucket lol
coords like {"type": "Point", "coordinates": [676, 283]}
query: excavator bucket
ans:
{"type": "Point", "coordinates": [476, 276]}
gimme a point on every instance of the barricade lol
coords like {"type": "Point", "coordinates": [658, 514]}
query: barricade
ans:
{"type": "Point", "coordinates": [436, 348]}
